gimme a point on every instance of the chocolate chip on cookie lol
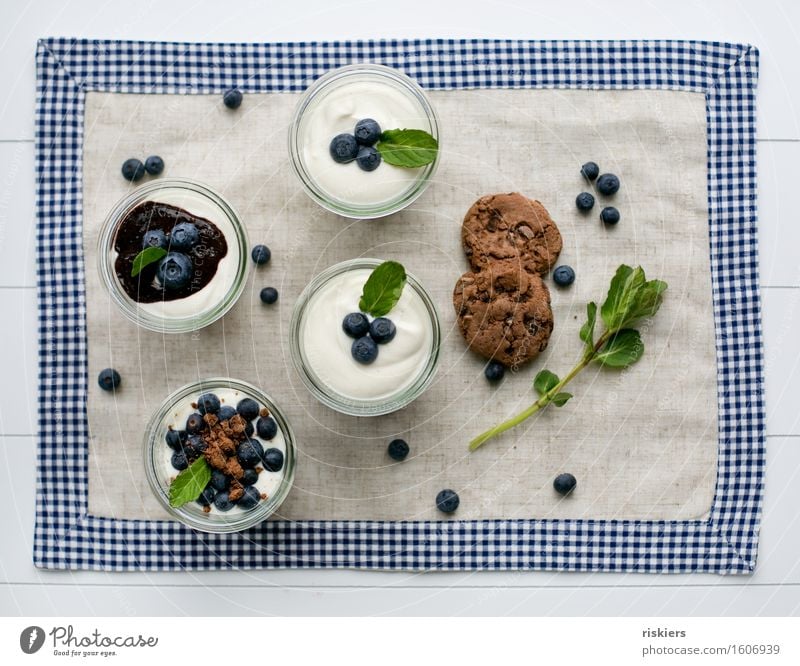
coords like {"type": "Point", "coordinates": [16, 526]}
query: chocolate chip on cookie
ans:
{"type": "Point", "coordinates": [510, 226]}
{"type": "Point", "coordinates": [504, 312]}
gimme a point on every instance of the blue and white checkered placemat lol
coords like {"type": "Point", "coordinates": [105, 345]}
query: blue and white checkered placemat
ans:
{"type": "Point", "coordinates": [68, 537]}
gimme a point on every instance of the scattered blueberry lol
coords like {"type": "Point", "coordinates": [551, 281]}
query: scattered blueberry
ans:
{"type": "Point", "coordinates": [565, 484]}
{"type": "Point", "coordinates": [250, 498]}
{"type": "Point", "coordinates": [564, 276]}
{"type": "Point", "coordinates": [260, 254]}
{"type": "Point", "coordinates": [226, 412]}
{"type": "Point", "coordinates": [249, 429]}
{"type": "Point", "coordinates": [195, 445]}
{"type": "Point", "coordinates": [179, 460]}
{"type": "Point", "coordinates": [368, 158]}
{"type": "Point", "coordinates": [220, 480]}
{"type": "Point", "coordinates": [269, 295]}
{"type": "Point", "coordinates": [175, 270]}
{"type": "Point", "coordinates": [207, 496]}
{"type": "Point", "coordinates": [247, 408]}
{"type": "Point", "coordinates": [494, 371]}
{"type": "Point", "coordinates": [175, 438]}
{"type": "Point", "coordinates": [195, 423]}
{"type": "Point", "coordinates": [609, 215]}
{"type": "Point", "coordinates": [155, 238]}
{"type": "Point", "coordinates": [584, 201]}
{"type": "Point", "coordinates": [367, 132]}
{"type": "Point", "coordinates": [398, 449]}
{"type": "Point", "coordinates": [590, 170]}
{"type": "Point", "coordinates": [232, 98]}
{"type": "Point", "coordinates": [222, 501]}
{"type": "Point", "coordinates": [364, 350]}
{"type": "Point", "coordinates": [249, 478]}
{"type": "Point", "coordinates": [248, 453]}
{"type": "Point", "coordinates": [109, 379]}
{"type": "Point", "coordinates": [184, 237]}
{"type": "Point", "coordinates": [356, 324]}
{"type": "Point", "coordinates": [382, 330]}
{"type": "Point", "coordinates": [154, 165]}
{"type": "Point", "coordinates": [344, 148]}
{"type": "Point", "coordinates": [208, 403]}
{"type": "Point", "coordinates": [447, 501]}
{"type": "Point", "coordinates": [607, 184]}
{"type": "Point", "coordinates": [266, 427]}
{"type": "Point", "coordinates": [273, 460]}
{"type": "Point", "coordinates": [132, 169]}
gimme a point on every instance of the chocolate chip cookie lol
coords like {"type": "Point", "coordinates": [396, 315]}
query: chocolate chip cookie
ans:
{"type": "Point", "coordinates": [510, 226]}
{"type": "Point", "coordinates": [504, 312]}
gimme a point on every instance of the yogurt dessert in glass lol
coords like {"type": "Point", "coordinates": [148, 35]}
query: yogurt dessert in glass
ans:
{"type": "Point", "coordinates": [334, 104]}
{"type": "Point", "coordinates": [239, 435]}
{"type": "Point", "coordinates": [325, 355]}
{"type": "Point", "coordinates": [198, 255]}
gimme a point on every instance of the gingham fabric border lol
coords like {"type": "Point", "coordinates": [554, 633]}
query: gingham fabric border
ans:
{"type": "Point", "coordinates": [66, 536]}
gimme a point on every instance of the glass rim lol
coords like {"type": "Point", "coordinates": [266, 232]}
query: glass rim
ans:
{"type": "Point", "coordinates": [344, 404]}
{"type": "Point", "coordinates": [226, 523]}
{"type": "Point", "coordinates": [130, 308]}
{"type": "Point", "coordinates": [330, 203]}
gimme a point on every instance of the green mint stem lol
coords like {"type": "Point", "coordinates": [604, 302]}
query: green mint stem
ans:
{"type": "Point", "coordinates": [544, 399]}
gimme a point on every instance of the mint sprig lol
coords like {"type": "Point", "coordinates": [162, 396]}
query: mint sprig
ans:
{"type": "Point", "coordinates": [631, 297]}
{"type": "Point", "coordinates": [383, 289]}
{"type": "Point", "coordinates": [146, 257]}
{"type": "Point", "coordinates": [187, 486]}
{"type": "Point", "coordinates": [408, 148]}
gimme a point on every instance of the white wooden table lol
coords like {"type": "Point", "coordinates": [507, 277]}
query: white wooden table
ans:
{"type": "Point", "coordinates": [772, 25]}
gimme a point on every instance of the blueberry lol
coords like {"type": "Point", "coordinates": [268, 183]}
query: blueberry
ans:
{"type": "Point", "coordinates": [563, 276]}
{"type": "Point", "coordinates": [260, 254]}
{"type": "Point", "coordinates": [364, 350]}
{"type": "Point", "coordinates": [565, 484]}
{"type": "Point", "coordinates": [248, 453]}
{"type": "Point", "coordinates": [207, 496]}
{"type": "Point", "coordinates": [273, 460]}
{"type": "Point", "coordinates": [269, 295]}
{"type": "Point", "coordinates": [220, 480]}
{"type": "Point", "coordinates": [367, 132]}
{"type": "Point", "coordinates": [208, 403]}
{"type": "Point", "coordinates": [195, 445]}
{"type": "Point", "coordinates": [609, 215]}
{"type": "Point", "coordinates": [447, 501]}
{"type": "Point", "coordinates": [175, 270]}
{"type": "Point", "coordinates": [590, 170]}
{"type": "Point", "coordinates": [155, 238]}
{"type": "Point", "coordinates": [179, 460]}
{"type": "Point", "coordinates": [175, 438]}
{"type": "Point", "coordinates": [356, 324]}
{"type": "Point", "coordinates": [132, 169]}
{"type": "Point", "coordinates": [154, 165]}
{"type": "Point", "coordinates": [249, 478]}
{"type": "Point", "coordinates": [266, 427]}
{"type": "Point", "coordinates": [226, 412]}
{"type": "Point", "coordinates": [249, 429]}
{"type": "Point", "coordinates": [584, 201]}
{"type": "Point", "coordinates": [398, 449]}
{"type": "Point", "coordinates": [109, 379]}
{"type": "Point", "coordinates": [183, 237]}
{"type": "Point", "coordinates": [368, 158]}
{"type": "Point", "coordinates": [195, 423]}
{"type": "Point", "coordinates": [250, 498]}
{"type": "Point", "coordinates": [232, 98]}
{"type": "Point", "coordinates": [344, 148]}
{"type": "Point", "coordinates": [247, 408]}
{"type": "Point", "coordinates": [494, 371]}
{"type": "Point", "coordinates": [222, 501]}
{"type": "Point", "coordinates": [607, 184]}
{"type": "Point", "coordinates": [382, 330]}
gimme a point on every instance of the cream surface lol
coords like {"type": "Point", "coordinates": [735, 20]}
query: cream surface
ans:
{"type": "Point", "coordinates": [327, 347]}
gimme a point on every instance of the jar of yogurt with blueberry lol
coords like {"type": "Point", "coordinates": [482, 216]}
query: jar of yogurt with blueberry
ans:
{"type": "Point", "coordinates": [365, 337]}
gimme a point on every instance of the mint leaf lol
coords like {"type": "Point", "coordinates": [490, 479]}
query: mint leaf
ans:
{"type": "Point", "coordinates": [383, 289]}
{"type": "Point", "coordinates": [147, 257]}
{"type": "Point", "coordinates": [648, 301]}
{"type": "Point", "coordinates": [545, 381]}
{"type": "Point", "coordinates": [408, 148]}
{"type": "Point", "coordinates": [631, 297]}
{"type": "Point", "coordinates": [622, 350]}
{"type": "Point", "coordinates": [560, 399]}
{"type": "Point", "coordinates": [187, 486]}
{"type": "Point", "coordinates": [587, 330]}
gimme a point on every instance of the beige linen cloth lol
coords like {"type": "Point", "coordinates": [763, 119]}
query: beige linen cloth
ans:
{"type": "Point", "coordinates": [642, 442]}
